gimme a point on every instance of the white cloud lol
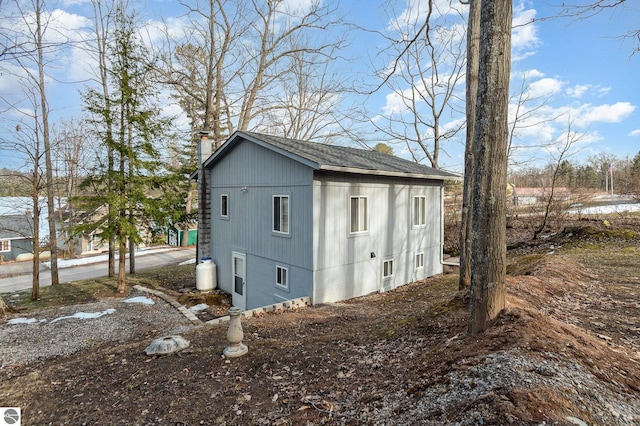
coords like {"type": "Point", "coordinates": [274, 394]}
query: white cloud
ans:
{"type": "Point", "coordinates": [544, 87]}
{"type": "Point", "coordinates": [635, 133]}
{"type": "Point", "coordinates": [531, 74]}
{"type": "Point", "coordinates": [579, 90]}
{"type": "Point", "coordinates": [66, 26]}
{"type": "Point", "coordinates": [588, 114]}
{"type": "Point", "coordinates": [68, 3]}
{"type": "Point", "coordinates": [416, 12]}
{"type": "Point", "coordinates": [396, 102]}
{"type": "Point", "coordinates": [524, 35]}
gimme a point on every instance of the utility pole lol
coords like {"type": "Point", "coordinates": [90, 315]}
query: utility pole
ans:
{"type": "Point", "coordinates": [611, 173]}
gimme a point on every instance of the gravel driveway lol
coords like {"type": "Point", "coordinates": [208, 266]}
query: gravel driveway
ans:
{"type": "Point", "coordinates": [69, 329]}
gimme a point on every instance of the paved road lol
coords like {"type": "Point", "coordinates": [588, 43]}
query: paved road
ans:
{"type": "Point", "coordinates": [97, 270]}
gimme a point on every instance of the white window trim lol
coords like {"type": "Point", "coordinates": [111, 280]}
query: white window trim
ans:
{"type": "Point", "coordinates": [284, 286]}
{"type": "Point", "coordinates": [419, 259]}
{"type": "Point", "coordinates": [224, 216]}
{"type": "Point", "coordinates": [8, 246]}
{"type": "Point", "coordinates": [273, 213]}
{"type": "Point", "coordinates": [384, 263]}
{"type": "Point", "coordinates": [366, 219]}
{"type": "Point", "coordinates": [421, 217]}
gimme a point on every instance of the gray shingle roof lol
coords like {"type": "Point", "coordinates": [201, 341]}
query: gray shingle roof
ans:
{"type": "Point", "coordinates": [16, 227]}
{"type": "Point", "coordinates": [346, 159]}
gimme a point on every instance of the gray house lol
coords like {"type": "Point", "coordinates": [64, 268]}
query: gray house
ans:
{"type": "Point", "coordinates": [16, 232]}
{"type": "Point", "coordinates": [291, 218]}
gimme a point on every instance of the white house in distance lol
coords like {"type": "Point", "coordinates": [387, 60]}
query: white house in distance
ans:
{"type": "Point", "coordinates": [291, 218]}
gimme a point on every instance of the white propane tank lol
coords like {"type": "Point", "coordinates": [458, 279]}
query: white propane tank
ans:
{"type": "Point", "coordinates": [206, 275]}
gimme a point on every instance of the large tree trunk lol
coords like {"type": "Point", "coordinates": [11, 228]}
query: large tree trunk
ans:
{"type": "Point", "coordinates": [473, 51]}
{"type": "Point", "coordinates": [53, 240]}
{"type": "Point", "coordinates": [101, 30]}
{"type": "Point", "coordinates": [35, 280]}
{"type": "Point", "coordinates": [4, 308]}
{"type": "Point", "coordinates": [122, 260]}
{"type": "Point", "coordinates": [488, 255]}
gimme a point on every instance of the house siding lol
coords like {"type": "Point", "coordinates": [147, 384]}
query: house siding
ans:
{"type": "Point", "coordinates": [251, 175]}
{"type": "Point", "coordinates": [18, 247]}
{"type": "Point", "coordinates": [348, 265]}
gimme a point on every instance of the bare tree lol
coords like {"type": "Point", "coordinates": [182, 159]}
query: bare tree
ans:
{"type": "Point", "coordinates": [564, 150]}
{"type": "Point", "coordinates": [277, 31]}
{"type": "Point", "coordinates": [26, 140]}
{"type": "Point", "coordinates": [308, 106]}
{"type": "Point", "coordinates": [72, 161]}
{"type": "Point", "coordinates": [199, 69]}
{"type": "Point", "coordinates": [199, 65]}
{"type": "Point", "coordinates": [231, 72]}
{"type": "Point", "coordinates": [526, 108]}
{"type": "Point", "coordinates": [103, 16]}
{"type": "Point", "coordinates": [30, 58]}
{"type": "Point", "coordinates": [592, 8]}
{"type": "Point", "coordinates": [488, 255]}
{"type": "Point", "coordinates": [27, 50]}
{"type": "Point", "coordinates": [426, 83]}
{"type": "Point", "coordinates": [46, 137]}
{"type": "Point", "coordinates": [635, 176]}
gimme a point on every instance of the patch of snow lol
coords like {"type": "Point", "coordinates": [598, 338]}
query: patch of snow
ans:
{"type": "Point", "coordinates": [22, 321]}
{"type": "Point", "coordinates": [86, 315]}
{"type": "Point", "coordinates": [140, 299]}
{"type": "Point", "coordinates": [614, 208]}
{"type": "Point", "coordinates": [199, 307]}
{"type": "Point", "coordinates": [68, 263]}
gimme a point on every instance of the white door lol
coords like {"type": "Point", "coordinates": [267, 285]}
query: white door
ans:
{"type": "Point", "coordinates": [239, 271]}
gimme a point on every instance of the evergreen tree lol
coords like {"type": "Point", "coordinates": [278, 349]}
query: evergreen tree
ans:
{"type": "Point", "coordinates": [128, 122]}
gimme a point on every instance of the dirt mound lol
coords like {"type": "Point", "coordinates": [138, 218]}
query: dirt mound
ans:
{"type": "Point", "coordinates": [537, 278]}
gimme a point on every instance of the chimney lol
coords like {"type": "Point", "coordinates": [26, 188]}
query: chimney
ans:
{"type": "Point", "coordinates": [205, 146]}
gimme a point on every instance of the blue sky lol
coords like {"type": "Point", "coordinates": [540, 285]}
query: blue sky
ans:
{"type": "Point", "coordinates": [582, 70]}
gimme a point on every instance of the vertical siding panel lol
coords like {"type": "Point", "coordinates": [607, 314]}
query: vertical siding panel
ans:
{"type": "Point", "coordinates": [342, 263]}
{"type": "Point", "coordinates": [264, 174]}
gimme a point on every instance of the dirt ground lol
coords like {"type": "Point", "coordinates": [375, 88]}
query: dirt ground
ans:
{"type": "Point", "coordinates": [566, 351]}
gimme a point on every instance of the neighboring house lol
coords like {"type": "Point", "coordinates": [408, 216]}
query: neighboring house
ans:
{"type": "Point", "coordinates": [86, 242]}
{"type": "Point", "coordinates": [175, 235]}
{"type": "Point", "coordinates": [91, 242]}
{"type": "Point", "coordinates": [291, 218]}
{"type": "Point", "coordinates": [528, 196]}
{"type": "Point", "coordinates": [16, 233]}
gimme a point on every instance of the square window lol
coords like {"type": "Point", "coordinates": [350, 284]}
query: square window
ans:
{"type": "Point", "coordinates": [282, 277]}
{"type": "Point", "coordinates": [358, 214]}
{"type": "Point", "coordinates": [387, 268]}
{"type": "Point", "coordinates": [224, 205]}
{"type": "Point", "coordinates": [419, 260]}
{"type": "Point", "coordinates": [5, 245]}
{"type": "Point", "coordinates": [419, 210]}
{"type": "Point", "coordinates": [281, 213]}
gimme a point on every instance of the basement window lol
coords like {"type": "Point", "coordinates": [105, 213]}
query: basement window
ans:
{"type": "Point", "coordinates": [387, 269]}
